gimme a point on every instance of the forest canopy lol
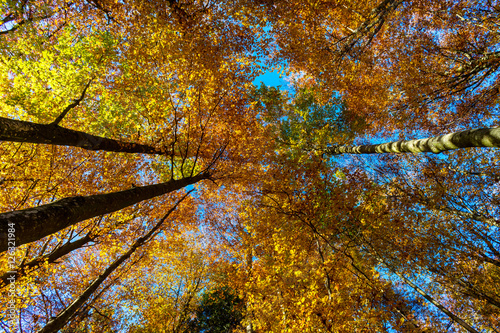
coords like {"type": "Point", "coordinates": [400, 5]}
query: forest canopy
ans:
{"type": "Point", "coordinates": [150, 183]}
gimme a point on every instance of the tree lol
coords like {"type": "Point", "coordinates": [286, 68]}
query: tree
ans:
{"type": "Point", "coordinates": [22, 131]}
{"type": "Point", "coordinates": [49, 59]}
{"type": "Point", "coordinates": [219, 311]}
{"type": "Point", "coordinates": [111, 111]}
{"type": "Point", "coordinates": [36, 223]}
{"type": "Point", "coordinates": [56, 323]}
{"type": "Point", "coordinates": [482, 137]}
{"type": "Point", "coordinates": [385, 59]}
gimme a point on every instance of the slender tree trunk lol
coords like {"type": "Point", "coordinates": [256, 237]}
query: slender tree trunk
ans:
{"type": "Point", "coordinates": [35, 223]}
{"type": "Point", "coordinates": [468, 215]}
{"type": "Point", "coordinates": [248, 314]}
{"type": "Point", "coordinates": [50, 258]}
{"type": "Point", "coordinates": [24, 131]}
{"type": "Point", "coordinates": [481, 137]}
{"type": "Point", "coordinates": [428, 297]}
{"type": "Point", "coordinates": [56, 323]}
{"type": "Point", "coordinates": [466, 287]}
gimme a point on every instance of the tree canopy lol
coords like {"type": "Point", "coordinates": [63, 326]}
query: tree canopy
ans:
{"type": "Point", "coordinates": [149, 183]}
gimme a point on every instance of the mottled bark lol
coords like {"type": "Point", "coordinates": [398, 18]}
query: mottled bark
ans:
{"type": "Point", "coordinates": [481, 137]}
{"type": "Point", "coordinates": [51, 257]}
{"type": "Point", "coordinates": [24, 131]}
{"type": "Point", "coordinates": [35, 223]}
{"type": "Point", "coordinates": [56, 323]}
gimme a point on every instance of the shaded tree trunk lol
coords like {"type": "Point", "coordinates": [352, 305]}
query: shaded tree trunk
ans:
{"type": "Point", "coordinates": [35, 223]}
{"type": "Point", "coordinates": [481, 137]}
{"type": "Point", "coordinates": [56, 323]}
{"type": "Point", "coordinates": [24, 131]}
{"type": "Point", "coordinates": [428, 297]}
{"type": "Point", "coordinates": [248, 314]}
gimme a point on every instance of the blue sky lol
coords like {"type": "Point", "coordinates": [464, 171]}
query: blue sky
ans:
{"type": "Point", "coordinates": [270, 79]}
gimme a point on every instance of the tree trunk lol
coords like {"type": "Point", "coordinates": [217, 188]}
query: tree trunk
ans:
{"type": "Point", "coordinates": [248, 314]}
{"type": "Point", "coordinates": [481, 137]}
{"type": "Point", "coordinates": [24, 269]}
{"type": "Point", "coordinates": [56, 323]}
{"type": "Point", "coordinates": [24, 131]}
{"type": "Point", "coordinates": [428, 297]}
{"type": "Point", "coordinates": [35, 223]}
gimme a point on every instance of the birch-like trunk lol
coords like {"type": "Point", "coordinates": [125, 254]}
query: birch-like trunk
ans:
{"type": "Point", "coordinates": [35, 223]}
{"type": "Point", "coordinates": [24, 131]}
{"type": "Point", "coordinates": [481, 137]}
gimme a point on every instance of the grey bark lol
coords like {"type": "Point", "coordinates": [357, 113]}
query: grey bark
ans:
{"type": "Point", "coordinates": [481, 137]}
{"type": "Point", "coordinates": [35, 223]}
{"type": "Point", "coordinates": [24, 131]}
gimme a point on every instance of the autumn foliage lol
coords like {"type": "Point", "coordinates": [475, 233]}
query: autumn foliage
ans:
{"type": "Point", "coordinates": [150, 183]}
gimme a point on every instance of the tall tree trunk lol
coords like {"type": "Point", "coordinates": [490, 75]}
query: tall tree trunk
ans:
{"type": "Point", "coordinates": [56, 323]}
{"type": "Point", "coordinates": [466, 287]}
{"type": "Point", "coordinates": [25, 268]}
{"type": "Point", "coordinates": [428, 297]}
{"type": "Point", "coordinates": [481, 137]}
{"type": "Point", "coordinates": [35, 223]}
{"type": "Point", "coordinates": [24, 131]}
{"type": "Point", "coordinates": [248, 314]}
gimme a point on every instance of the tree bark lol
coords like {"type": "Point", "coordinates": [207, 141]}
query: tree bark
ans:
{"type": "Point", "coordinates": [56, 323]}
{"type": "Point", "coordinates": [35, 223]}
{"type": "Point", "coordinates": [24, 131]}
{"type": "Point", "coordinates": [481, 137]}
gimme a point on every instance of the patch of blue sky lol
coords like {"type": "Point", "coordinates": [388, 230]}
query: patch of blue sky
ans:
{"type": "Point", "coordinates": [271, 78]}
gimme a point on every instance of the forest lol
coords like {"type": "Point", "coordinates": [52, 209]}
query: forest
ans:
{"type": "Point", "coordinates": [149, 182]}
